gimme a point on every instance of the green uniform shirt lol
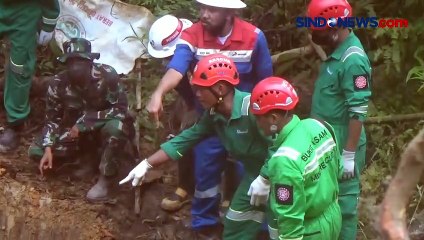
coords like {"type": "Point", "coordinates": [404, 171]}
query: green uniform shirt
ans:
{"type": "Point", "coordinates": [303, 174]}
{"type": "Point", "coordinates": [343, 88]}
{"type": "Point", "coordinates": [239, 135]}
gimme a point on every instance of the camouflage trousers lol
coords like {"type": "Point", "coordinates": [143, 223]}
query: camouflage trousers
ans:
{"type": "Point", "coordinates": [108, 137]}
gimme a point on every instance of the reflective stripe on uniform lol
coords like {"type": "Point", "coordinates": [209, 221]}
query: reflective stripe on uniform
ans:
{"type": "Point", "coordinates": [352, 50]}
{"type": "Point", "coordinates": [50, 21]}
{"type": "Point", "coordinates": [239, 216]}
{"type": "Point", "coordinates": [287, 152]}
{"type": "Point", "coordinates": [326, 147]}
{"type": "Point", "coordinates": [299, 238]}
{"type": "Point", "coordinates": [208, 193]}
{"type": "Point", "coordinates": [245, 106]}
{"type": "Point", "coordinates": [16, 68]}
{"type": "Point", "coordinates": [120, 125]}
{"type": "Point", "coordinates": [359, 109]}
{"type": "Point", "coordinates": [273, 232]}
{"type": "Point", "coordinates": [235, 55]}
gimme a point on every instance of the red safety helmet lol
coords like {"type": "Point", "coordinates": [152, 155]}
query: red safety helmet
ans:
{"type": "Point", "coordinates": [214, 68]}
{"type": "Point", "coordinates": [328, 9]}
{"type": "Point", "coordinates": [273, 93]}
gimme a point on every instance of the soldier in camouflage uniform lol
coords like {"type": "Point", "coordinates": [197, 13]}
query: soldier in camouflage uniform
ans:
{"type": "Point", "coordinates": [91, 98]}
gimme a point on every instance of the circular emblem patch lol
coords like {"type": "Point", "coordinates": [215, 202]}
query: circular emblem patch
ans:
{"type": "Point", "coordinates": [360, 82]}
{"type": "Point", "coordinates": [283, 194]}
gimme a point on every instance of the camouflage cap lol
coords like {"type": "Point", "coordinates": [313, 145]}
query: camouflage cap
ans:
{"type": "Point", "coordinates": [77, 47]}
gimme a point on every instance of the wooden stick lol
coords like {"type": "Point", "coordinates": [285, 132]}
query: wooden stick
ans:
{"type": "Point", "coordinates": [138, 85]}
{"type": "Point", "coordinates": [291, 54]}
{"type": "Point", "coordinates": [395, 118]}
{"type": "Point", "coordinates": [137, 190]}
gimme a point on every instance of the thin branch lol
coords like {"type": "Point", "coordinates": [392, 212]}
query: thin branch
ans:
{"type": "Point", "coordinates": [395, 118]}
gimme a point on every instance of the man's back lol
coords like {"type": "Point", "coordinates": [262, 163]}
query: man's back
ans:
{"type": "Point", "coordinates": [314, 161]}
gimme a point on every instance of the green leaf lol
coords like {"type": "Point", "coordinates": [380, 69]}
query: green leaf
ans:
{"type": "Point", "coordinates": [416, 55]}
{"type": "Point", "coordinates": [416, 73]}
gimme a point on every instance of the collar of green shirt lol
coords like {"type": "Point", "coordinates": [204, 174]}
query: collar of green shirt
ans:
{"type": "Point", "coordinates": [286, 130]}
{"type": "Point", "coordinates": [338, 53]}
{"type": "Point", "coordinates": [240, 107]}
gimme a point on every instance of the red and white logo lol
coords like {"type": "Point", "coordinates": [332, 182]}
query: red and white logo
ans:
{"type": "Point", "coordinates": [360, 82]}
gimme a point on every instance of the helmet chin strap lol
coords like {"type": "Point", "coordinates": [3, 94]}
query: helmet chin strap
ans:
{"type": "Point", "coordinates": [220, 98]}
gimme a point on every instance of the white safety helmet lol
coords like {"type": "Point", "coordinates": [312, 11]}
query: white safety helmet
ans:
{"type": "Point", "coordinates": [234, 4]}
{"type": "Point", "coordinates": [164, 35]}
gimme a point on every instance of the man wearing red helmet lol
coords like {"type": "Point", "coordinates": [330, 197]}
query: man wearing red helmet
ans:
{"type": "Point", "coordinates": [304, 170]}
{"type": "Point", "coordinates": [341, 96]}
{"type": "Point", "coordinates": [227, 115]}
{"type": "Point", "coordinates": [218, 30]}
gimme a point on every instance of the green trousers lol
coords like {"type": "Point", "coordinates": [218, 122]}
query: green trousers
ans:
{"type": "Point", "coordinates": [349, 196]}
{"type": "Point", "coordinates": [350, 189]}
{"type": "Point", "coordinates": [108, 133]}
{"type": "Point", "coordinates": [19, 22]}
{"type": "Point", "coordinates": [244, 221]}
{"type": "Point", "coordinates": [326, 226]}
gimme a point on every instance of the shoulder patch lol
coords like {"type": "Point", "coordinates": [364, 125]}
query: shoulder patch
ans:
{"type": "Point", "coordinates": [284, 194]}
{"type": "Point", "coordinates": [360, 82]}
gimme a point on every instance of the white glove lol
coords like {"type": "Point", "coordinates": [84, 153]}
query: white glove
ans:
{"type": "Point", "coordinates": [44, 37]}
{"type": "Point", "coordinates": [348, 164]}
{"type": "Point", "coordinates": [259, 191]}
{"type": "Point", "coordinates": [137, 174]}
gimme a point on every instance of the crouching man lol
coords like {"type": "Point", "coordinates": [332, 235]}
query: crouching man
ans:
{"type": "Point", "coordinates": [89, 98]}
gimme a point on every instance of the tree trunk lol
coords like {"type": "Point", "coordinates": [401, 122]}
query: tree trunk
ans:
{"type": "Point", "coordinates": [393, 215]}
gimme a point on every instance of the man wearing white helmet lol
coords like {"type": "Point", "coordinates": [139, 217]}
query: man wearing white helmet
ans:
{"type": "Point", "coordinates": [164, 35]}
{"type": "Point", "coordinates": [219, 30]}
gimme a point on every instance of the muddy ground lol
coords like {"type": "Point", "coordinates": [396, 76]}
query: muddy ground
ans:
{"type": "Point", "coordinates": [54, 206]}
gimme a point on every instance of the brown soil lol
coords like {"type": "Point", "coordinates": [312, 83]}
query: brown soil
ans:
{"type": "Point", "coordinates": [54, 206]}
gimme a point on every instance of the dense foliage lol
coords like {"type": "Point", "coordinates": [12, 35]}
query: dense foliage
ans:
{"type": "Point", "coordinates": [397, 56]}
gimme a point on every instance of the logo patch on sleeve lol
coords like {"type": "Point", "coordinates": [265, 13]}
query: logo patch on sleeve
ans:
{"type": "Point", "coordinates": [360, 82]}
{"type": "Point", "coordinates": [284, 194]}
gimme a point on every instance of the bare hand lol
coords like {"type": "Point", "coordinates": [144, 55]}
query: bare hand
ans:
{"type": "Point", "coordinates": [74, 132]}
{"type": "Point", "coordinates": [155, 108]}
{"type": "Point", "coordinates": [46, 161]}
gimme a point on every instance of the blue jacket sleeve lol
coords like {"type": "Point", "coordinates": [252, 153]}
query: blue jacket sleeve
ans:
{"type": "Point", "coordinates": [183, 57]}
{"type": "Point", "coordinates": [262, 62]}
